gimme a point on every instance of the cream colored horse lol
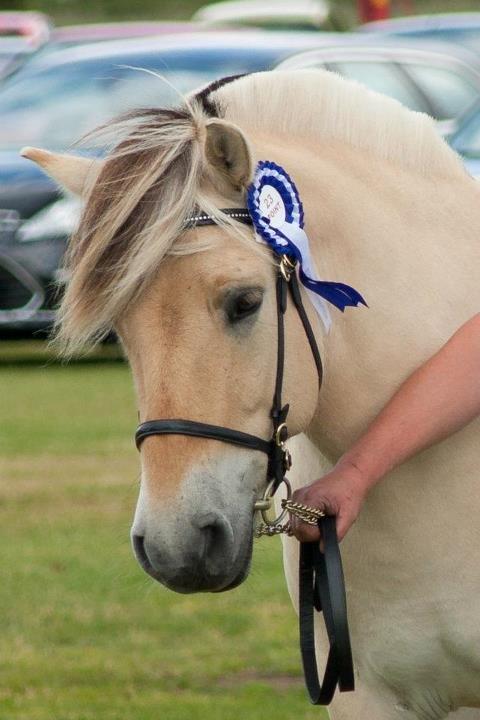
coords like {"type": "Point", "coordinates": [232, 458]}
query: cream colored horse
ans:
{"type": "Point", "coordinates": [389, 210]}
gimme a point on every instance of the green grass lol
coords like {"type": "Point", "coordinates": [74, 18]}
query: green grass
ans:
{"type": "Point", "coordinates": [85, 634]}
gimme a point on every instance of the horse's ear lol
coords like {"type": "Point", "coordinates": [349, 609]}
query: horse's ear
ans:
{"type": "Point", "coordinates": [228, 155]}
{"type": "Point", "coordinates": [69, 171]}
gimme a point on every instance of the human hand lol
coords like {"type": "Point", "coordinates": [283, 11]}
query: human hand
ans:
{"type": "Point", "coordinates": [340, 492]}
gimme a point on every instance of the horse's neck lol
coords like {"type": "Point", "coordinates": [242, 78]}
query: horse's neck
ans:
{"type": "Point", "coordinates": [410, 245]}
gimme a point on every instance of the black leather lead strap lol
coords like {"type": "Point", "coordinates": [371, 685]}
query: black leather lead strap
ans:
{"type": "Point", "coordinates": [322, 588]}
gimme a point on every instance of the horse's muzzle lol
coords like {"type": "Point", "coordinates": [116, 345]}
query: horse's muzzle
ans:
{"type": "Point", "coordinates": [209, 562]}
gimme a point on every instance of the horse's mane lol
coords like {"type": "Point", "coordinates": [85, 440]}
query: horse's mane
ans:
{"type": "Point", "coordinates": [151, 181]}
{"type": "Point", "coordinates": [325, 106]}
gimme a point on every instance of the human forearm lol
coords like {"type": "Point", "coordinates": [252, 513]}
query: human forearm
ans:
{"type": "Point", "coordinates": [437, 400]}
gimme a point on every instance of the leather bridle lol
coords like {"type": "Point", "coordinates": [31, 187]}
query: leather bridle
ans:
{"type": "Point", "coordinates": [321, 576]}
{"type": "Point", "coordinates": [278, 456]}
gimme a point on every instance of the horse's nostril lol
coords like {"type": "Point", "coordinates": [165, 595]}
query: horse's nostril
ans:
{"type": "Point", "coordinates": [138, 542]}
{"type": "Point", "coordinates": [218, 536]}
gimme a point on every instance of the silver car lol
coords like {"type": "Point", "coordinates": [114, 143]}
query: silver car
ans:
{"type": "Point", "coordinates": [443, 86]}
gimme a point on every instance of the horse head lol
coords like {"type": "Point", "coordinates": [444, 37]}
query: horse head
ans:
{"type": "Point", "coordinates": [195, 310]}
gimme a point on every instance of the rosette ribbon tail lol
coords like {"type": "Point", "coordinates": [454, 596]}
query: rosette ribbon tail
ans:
{"type": "Point", "coordinates": [335, 293]}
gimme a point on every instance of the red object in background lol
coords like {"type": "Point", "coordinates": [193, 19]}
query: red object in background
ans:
{"type": "Point", "coordinates": [369, 10]}
{"type": "Point", "coordinates": [34, 27]}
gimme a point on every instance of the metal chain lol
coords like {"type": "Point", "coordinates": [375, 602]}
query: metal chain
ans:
{"type": "Point", "coordinates": [306, 513]}
{"type": "Point", "coordinates": [264, 530]}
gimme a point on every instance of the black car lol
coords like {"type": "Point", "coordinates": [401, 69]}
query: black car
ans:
{"type": "Point", "coordinates": [55, 99]}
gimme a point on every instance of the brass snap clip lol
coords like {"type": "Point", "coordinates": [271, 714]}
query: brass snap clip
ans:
{"type": "Point", "coordinates": [287, 267]}
{"type": "Point", "coordinates": [280, 438]}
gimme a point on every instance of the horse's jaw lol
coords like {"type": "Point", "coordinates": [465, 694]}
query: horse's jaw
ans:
{"type": "Point", "coordinates": [201, 538]}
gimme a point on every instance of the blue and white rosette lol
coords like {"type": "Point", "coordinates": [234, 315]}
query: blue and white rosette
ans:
{"type": "Point", "coordinates": [277, 213]}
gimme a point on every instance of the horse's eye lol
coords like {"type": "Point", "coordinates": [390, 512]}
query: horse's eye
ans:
{"type": "Point", "coordinates": [242, 304]}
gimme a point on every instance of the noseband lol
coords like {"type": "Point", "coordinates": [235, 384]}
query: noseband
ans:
{"type": "Point", "coordinates": [321, 575]}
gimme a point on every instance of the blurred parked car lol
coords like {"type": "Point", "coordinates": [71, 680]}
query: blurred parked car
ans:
{"type": "Point", "coordinates": [15, 51]}
{"type": "Point", "coordinates": [55, 99]}
{"type": "Point", "coordinates": [12, 52]}
{"type": "Point", "coordinates": [460, 28]}
{"type": "Point", "coordinates": [466, 140]}
{"type": "Point", "coordinates": [440, 85]}
{"type": "Point", "coordinates": [278, 14]}
{"type": "Point", "coordinates": [21, 33]}
{"type": "Point", "coordinates": [98, 32]}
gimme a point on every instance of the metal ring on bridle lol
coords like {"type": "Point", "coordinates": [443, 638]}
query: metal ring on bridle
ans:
{"type": "Point", "coordinates": [263, 507]}
{"type": "Point", "coordinates": [278, 434]}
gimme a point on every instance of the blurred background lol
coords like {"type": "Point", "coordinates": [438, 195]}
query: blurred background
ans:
{"type": "Point", "coordinates": [84, 633]}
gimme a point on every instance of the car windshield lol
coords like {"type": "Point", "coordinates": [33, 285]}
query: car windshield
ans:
{"type": "Point", "coordinates": [385, 78]}
{"type": "Point", "coordinates": [55, 106]}
{"type": "Point", "coordinates": [450, 92]}
{"type": "Point", "coordinates": [10, 48]}
{"type": "Point", "coordinates": [468, 37]}
{"type": "Point", "coordinates": [5, 57]}
{"type": "Point", "coordinates": [467, 140]}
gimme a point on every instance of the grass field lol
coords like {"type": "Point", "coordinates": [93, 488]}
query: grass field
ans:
{"type": "Point", "coordinates": [85, 634]}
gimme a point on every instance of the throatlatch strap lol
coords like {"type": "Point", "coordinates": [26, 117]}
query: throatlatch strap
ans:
{"type": "Point", "coordinates": [322, 588]}
{"type": "Point", "coordinates": [297, 299]}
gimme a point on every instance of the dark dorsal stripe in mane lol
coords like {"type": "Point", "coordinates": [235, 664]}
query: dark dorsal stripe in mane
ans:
{"type": "Point", "coordinates": [210, 108]}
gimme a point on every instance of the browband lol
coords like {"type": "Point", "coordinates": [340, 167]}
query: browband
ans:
{"type": "Point", "coordinates": [200, 218]}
